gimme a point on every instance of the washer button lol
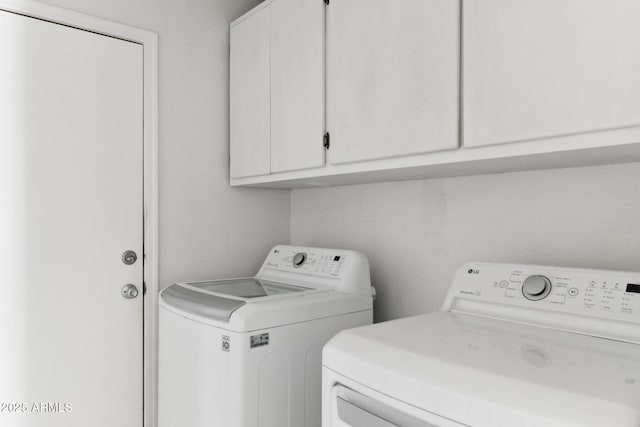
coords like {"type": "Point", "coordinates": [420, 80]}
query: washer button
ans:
{"type": "Point", "coordinates": [299, 259]}
{"type": "Point", "coordinates": [573, 292]}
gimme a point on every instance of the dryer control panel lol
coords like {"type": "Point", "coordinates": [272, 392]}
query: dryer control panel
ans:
{"type": "Point", "coordinates": [540, 294]}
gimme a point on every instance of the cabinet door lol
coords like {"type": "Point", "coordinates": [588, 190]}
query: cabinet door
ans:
{"type": "Point", "coordinates": [250, 96]}
{"type": "Point", "coordinates": [547, 69]}
{"type": "Point", "coordinates": [297, 84]}
{"type": "Point", "coordinates": [392, 78]}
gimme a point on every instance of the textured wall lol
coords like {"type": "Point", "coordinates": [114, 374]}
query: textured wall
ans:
{"type": "Point", "coordinates": [417, 233]}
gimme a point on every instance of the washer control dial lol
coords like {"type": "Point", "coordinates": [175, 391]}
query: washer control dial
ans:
{"type": "Point", "coordinates": [536, 287]}
{"type": "Point", "coordinates": [299, 259]}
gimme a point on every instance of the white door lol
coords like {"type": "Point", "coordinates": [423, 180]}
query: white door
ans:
{"type": "Point", "coordinates": [297, 84]}
{"type": "Point", "coordinates": [70, 204]}
{"type": "Point", "coordinates": [549, 70]}
{"type": "Point", "coordinates": [392, 78]}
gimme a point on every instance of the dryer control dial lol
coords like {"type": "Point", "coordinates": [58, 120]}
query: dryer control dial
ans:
{"type": "Point", "coordinates": [299, 259]}
{"type": "Point", "coordinates": [536, 287]}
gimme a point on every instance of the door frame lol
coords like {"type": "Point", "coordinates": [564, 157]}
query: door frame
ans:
{"type": "Point", "coordinates": [149, 42]}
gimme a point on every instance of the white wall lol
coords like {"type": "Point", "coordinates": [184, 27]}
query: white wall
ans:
{"type": "Point", "coordinates": [207, 229]}
{"type": "Point", "coordinates": [417, 233]}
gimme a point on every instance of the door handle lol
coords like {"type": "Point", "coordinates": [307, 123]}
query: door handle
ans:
{"type": "Point", "coordinates": [129, 291]}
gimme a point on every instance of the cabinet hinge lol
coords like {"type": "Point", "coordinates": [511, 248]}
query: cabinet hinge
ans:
{"type": "Point", "coordinates": [326, 140]}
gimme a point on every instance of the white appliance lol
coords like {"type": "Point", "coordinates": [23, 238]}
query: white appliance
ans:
{"type": "Point", "coordinates": [247, 352]}
{"type": "Point", "coordinates": [513, 345]}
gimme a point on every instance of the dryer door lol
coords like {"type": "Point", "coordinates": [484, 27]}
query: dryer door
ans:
{"type": "Point", "coordinates": [354, 409]}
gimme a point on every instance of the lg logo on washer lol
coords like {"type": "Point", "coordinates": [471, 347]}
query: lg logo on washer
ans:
{"type": "Point", "coordinates": [473, 271]}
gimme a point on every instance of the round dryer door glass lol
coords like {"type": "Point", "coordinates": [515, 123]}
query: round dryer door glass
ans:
{"type": "Point", "coordinates": [248, 288]}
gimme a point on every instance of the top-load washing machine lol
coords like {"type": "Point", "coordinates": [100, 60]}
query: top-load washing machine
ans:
{"type": "Point", "coordinates": [247, 352]}
{"type": "Point", "coordinates": [514, 345]}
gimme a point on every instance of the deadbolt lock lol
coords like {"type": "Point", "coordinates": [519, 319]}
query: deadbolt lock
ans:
{"type": "Point", "coordinates": [129, 257]}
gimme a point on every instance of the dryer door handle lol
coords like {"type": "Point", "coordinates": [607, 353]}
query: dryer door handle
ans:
{"type": "Point", "coordinates": [357, 410]}
{"type": "Point", "coordinates": [356, 416]}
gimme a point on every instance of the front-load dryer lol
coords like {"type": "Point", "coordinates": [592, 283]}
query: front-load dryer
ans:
{"type": "Point", "coordinates": [247, 352]}
{"type": "Point", "coordinates": [514, 345]}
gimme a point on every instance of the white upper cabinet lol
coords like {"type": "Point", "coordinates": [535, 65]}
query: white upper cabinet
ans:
{"type": "Point", "coordinates": [392, 78]}
{"type": "Point", "coordinates": [297, 84]}
{"type": "Point", "coordinates": [277, 88]}
{"type": "Point", "coordinates": [533, 84]}
{"type": "Point", "coordinates": [250, 96]}
{"type": "Point", "coordinates": [559, 71]}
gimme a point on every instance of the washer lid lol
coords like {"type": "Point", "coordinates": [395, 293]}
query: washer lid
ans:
{"type": "Point", "coordinates": [194, 302]}
{"type": "Point", "coordinates": [218, 299]}
{"type": "Point", "coordinates": [247, 288]}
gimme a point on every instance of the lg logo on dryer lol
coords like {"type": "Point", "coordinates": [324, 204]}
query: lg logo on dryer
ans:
{"type": "Point", "coordinates": [473, 271]}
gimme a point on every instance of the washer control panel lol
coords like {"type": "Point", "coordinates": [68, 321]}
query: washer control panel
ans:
{"type": "Point", "coordinates": [318, 262]}
{"type": "Point", "coordinates": [319, 269]}
{"type": "Point", "coordinates": [595, 293]}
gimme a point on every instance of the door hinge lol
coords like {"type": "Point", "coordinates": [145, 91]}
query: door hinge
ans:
{"type": "Point", "coordinates": [326, 2]}
{"type": "Point", "coordinates": [326, 140]}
